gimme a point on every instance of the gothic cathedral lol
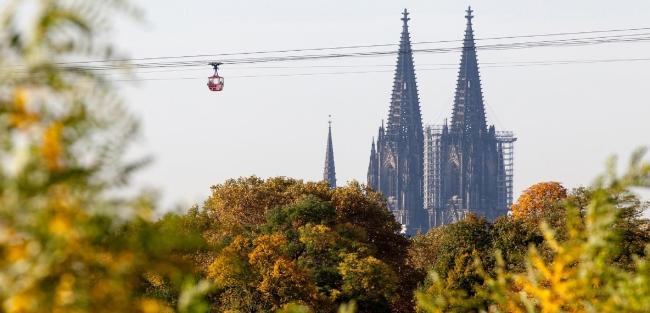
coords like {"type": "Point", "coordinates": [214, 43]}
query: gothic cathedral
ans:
{"type": "Point", "coordinates": [436, 175]}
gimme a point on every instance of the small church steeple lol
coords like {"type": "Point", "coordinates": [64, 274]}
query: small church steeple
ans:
{"type": "Point", "coordinates": [329, 172]}
{"type": "Point", "coordinates": [373, 168]}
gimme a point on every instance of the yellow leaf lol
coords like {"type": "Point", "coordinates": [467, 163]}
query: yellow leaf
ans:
{"type": "Point", "coordinates": [21, 302]}
{"type": "Point", "coordinates": [20, 117]}
{"type": "Point", "coordinates": [153, 306]}
{"type": "Point", "coordinates": [59, 225]}
{"type": "Point", "coordinates": [16, 252]}
{"type": "Point", "coordinates": [65, 294]}
{"type": "Point", "coordinates": [52, 147]}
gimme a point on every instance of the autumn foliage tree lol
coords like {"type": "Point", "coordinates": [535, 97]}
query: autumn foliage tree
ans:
{"type": "Point", "coordinates": [541, 202]}
{"type": "Point", "coordinates": [286, 241]}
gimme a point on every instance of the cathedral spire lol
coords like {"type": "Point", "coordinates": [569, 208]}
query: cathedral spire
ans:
{"type": "Point", "coordinates": [469, 110]}
{"type": "Point", "coordinates": [404, 117]}
{"type": "Point", "coordinates": [329, 172]}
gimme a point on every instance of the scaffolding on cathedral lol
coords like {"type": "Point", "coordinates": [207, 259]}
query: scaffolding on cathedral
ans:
{"type": "Point", "coordinates": [438, 212]}
{"type": "Point", "coordinates": [432, 171]}
{"type": "Point", "coordinates": [505, 145]}
{"type": "Point", "coordinates": [433, 176]}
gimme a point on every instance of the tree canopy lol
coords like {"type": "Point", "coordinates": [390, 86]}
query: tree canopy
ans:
{"type": "Point", "coordinates": [541, 201]}
{"type": "Point", "coordinates": [286, 241]}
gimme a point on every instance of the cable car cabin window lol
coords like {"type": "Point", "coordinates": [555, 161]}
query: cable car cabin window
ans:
{"type": "Point", "coordinates": [215, 80]}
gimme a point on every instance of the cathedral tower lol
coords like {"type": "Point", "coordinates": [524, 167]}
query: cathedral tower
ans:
{"type": "Point", "coordinates": [468, 163]}
{"type": "Point", "coordinates": [396, 160]}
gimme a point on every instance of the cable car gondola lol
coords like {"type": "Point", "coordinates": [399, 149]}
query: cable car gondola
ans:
{"type": "Point", "coordinates": [215, 82]}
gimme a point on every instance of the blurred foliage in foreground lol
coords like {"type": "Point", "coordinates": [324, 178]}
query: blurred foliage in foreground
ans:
{"type": "Point", "coordinates": [68, 242]}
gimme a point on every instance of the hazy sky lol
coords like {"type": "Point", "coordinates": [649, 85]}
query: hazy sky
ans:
{"type": "Point", "coordinates": [568, 118]}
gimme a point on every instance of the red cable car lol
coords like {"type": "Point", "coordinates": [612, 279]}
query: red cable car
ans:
{"type": "Point", "coordinates": [215, 82]}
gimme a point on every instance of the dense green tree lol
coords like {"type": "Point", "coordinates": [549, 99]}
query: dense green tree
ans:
{"type": "Point", "coordinates": [631, 227]}
{"type": "Point", "coordinates": [511, 238]}
{"type": "Point", "coordinates": [451, 251]}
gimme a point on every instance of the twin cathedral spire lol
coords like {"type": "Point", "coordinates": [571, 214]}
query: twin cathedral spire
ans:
{"type": "Point", "coordinates": [437, 174]}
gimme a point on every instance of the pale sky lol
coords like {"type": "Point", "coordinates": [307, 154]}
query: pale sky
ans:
{"type": "Point", "coordinates": [568, 118]}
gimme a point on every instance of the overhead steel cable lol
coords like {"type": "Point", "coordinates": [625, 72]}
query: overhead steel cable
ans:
{"type": "Point", "coordinates": [507, 46]}
{"type": "Point", "coordinates": [565, 42]}
{"type": "Point", "coordinates": [357, 46]}
{"type": "Point", "coordinates": [419, 68]}
{"type": "Point", "coordinates": [365, 65]}
{"type": "Point", "coordinates": [110, 63]}
{"type": "Point", "coordinates": [643, 37]}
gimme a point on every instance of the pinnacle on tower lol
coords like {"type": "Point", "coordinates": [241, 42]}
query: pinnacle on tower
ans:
{"type": "Point", "coordinates": [405, 16]}
{"type": "Point", "coordinates": [469, 109]}
{"type": "Point", "coordinates": [469, 15]}
{"type": "Point", "coordinates": [329, 172]}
